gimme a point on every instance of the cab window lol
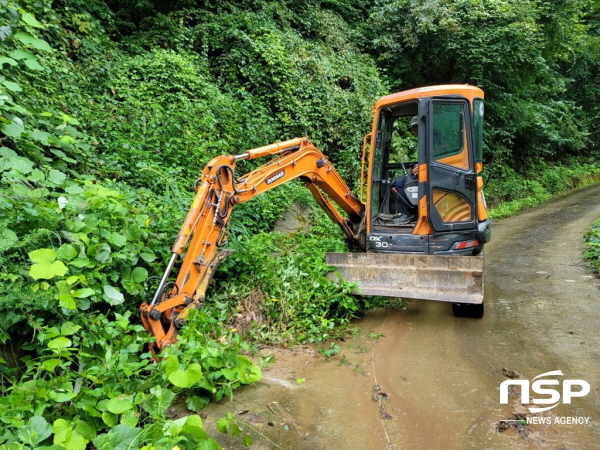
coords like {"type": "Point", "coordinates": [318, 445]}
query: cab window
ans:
{"type": "Point", "coordinates": [449, 134]}
{"type": "Point", "coordinates": [478, 129]}
{"type": "Point", "coordinates": [448, 126]}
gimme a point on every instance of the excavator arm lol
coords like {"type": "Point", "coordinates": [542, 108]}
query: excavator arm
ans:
{"type": "Point", "coordinates": [203, 233]}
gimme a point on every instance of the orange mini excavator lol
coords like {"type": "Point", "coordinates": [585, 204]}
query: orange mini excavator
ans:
{"type": "Point", "coordinates": [420, 218]}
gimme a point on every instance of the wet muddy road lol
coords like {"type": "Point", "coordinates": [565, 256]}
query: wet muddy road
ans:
{"type": "Point", "coordinates": [423, 379]}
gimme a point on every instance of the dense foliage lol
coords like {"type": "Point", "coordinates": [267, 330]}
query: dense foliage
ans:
{"type": "Point", "coordinates": [108, 110]}
{"type": "Point", "coordinates": [523, 54]}
{"type": "Point", "coordinates": [515, 193]}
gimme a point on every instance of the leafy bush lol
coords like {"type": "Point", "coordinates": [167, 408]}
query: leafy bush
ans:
{"type": "Point", "coordinates": [84, 245]}
{"type": "Point", "coordinates": [322, 88]}
{"type": "Point", "coordinates": [280, 282]}
{"type": "Point", "coordinates": [72, 248]}
{"type": "Point", "coordinates": [93, 383]}
{"type": "Point", "coordinates": [164, 112]}
{"type": "Point", "coordinates": [533, 106]}
{"type": "Point", "coordinates": [592, 252]}
{"type": "Point", "coordinates": [508, 191]}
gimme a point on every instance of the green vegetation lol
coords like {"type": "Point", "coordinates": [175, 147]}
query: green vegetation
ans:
{"type": "Point", "coordinates": [510, 192]}
{"type": "Point", "coordinates": [108, 111]}
{"type": "Point", "coordinates": [593, 246]}
{"type": "Point", "coordinates": [98, 386]}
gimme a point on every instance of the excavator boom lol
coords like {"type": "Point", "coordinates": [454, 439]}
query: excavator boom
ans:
{"type": "Point", "coordinates": [203, 233]}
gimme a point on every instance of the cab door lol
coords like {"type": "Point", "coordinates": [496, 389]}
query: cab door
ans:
{"type": "Point", "coordinates": [451, 182]}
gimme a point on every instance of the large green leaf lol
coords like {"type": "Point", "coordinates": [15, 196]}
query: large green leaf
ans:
{"type": "Point", "coordinates": [230, 374]}
{"type": "Point", "coordinates": [40, 136]}
{"type": "Point", "coordinates": [22, 165]}
{"type": "Point", "coordinates": [117, 239]}
{"type": "Point", "coordinates": [37, 43]}
{"type": "Point", "coordinates": [65, 435]}
{"type": "Point", "coordinates": [251, 374]}
{"type": "Point", "coordinates": [35, 431]}
{"type": "Point", "coordinates": [50, 364]}
{"type": "Point", "coordinates": [208, 444]}
{"type": "Point", "coordinates": [33, 64]}
{"type": "Point", "coordinates": [121, 437]}
{"type": "Point", "coordinates": [7, 156]}
{"type": "Point", "coordinates": [112, 295]}
{"type": "Point", "coordinates": [159, 401]}
{"type": "Point", "coordinates": [36, 176]}
{"type": "Point", "coordinates": [9, 61]}
{"type": "Point", "coordinates": [42, 255]}
{"type": "Point", "coordinates": [21, 53]}
{"type": "Point", "coordinates": [59, 268]}
{"type": "Point", "coordinates": [7, 239]}
{"type": "Point", "coordinates": [59, 344]}
{"type": "Point", "coordinates": [61, 397]}
{"type": "Point", "coordinates": [186, 378]}
{"type": "Point", "coordinates": [195, 403]}
{"type": "Point", "coordinates": [56, 177]}
{"type": "Point", "coordinates": [110, 419]}
{"type": "Point", "coordinates": [139, 274]}
{"type": "Point", "coordinates": [67, 301]}
{"type": "Point", "coordinates": [46, 271]}
{"type": "Point", "coordinates": [119, 405]}
{"type": "Point", "coordinates": [193, 427]}
{"type": "Point", "coordinates": [131, 418]}
{"type": "Point", "coordinates": [85, 429]}
{"type": "Point", "coordinates": [11, 86]}
{"type": "Point", "coordinates": [14, 128]}
{"type": "Point", "coordinates": [102, 252]}
{"type": "Point", "coordinates": [83, 293]}
{"type": "Point", "coordinates": [66, 252]}
{"type": "Point", "coordinates": [179, 378]}
{"type": "Point", "coordinates": [30, 20]}
{"type": "Point", "coordinates": [41, 271]}
{"type": "Point", "coordinates": [69, 328]}
{"type": "Point", "coordinates": [148, 256]}
{"type": "Point", "coordinates": [62, 430]}
{"type": "Point", "coordinates": [171, 364]}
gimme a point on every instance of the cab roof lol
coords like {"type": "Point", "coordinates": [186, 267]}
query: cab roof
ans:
{"type": "Point", "coordinates": [467, 91]}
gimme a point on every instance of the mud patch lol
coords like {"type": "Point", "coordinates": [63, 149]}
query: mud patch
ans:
{"type": "Point", "coordinates": [248, 312]}
{"type": "Point", "coordinates": [293, 220]}
{"type": "Point", "coordinates": [518, 423]}
{"type": "Point", "coordinates": [380, 397]}
{"type": "Point", "coordinates": [512, 374]}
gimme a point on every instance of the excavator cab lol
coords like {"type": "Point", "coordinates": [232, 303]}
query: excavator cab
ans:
{"type": "Point", "coordinates": [447, 193]}
{"type": "Point", "coordinates": [438, 256]}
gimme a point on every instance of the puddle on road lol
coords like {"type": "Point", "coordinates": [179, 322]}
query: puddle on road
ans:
{"type": "Point", "coordinates": [427, 383]}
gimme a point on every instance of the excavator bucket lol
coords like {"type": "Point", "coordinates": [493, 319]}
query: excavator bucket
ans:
{"type": "Point", "coordinates": [444, 278]}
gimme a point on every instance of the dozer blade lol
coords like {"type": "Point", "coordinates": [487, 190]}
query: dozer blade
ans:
{"type": "Point", "coordinates": [429, 277]}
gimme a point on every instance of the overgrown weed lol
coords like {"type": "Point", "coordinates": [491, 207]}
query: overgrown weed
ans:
{"type": "Point", "coordinates": [592, 253]}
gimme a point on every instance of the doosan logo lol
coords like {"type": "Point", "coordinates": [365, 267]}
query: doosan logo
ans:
{"type": "Point", "coordinates": [275, 177]}
{"type": "Point", "coordinates": [538, 387]}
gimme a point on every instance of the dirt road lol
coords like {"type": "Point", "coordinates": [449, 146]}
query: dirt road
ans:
{"type": "Point", "coordinates": [423, 379]}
